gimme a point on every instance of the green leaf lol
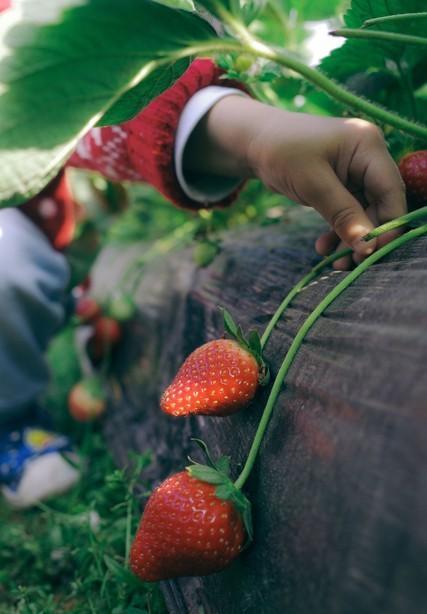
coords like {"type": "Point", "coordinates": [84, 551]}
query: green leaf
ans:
{"type": "Point", "coordinates": [202, 445]}
{"type": "Point", "coordinates": [229, 492]}
{"type": "Point", "coordinates": [223, 464]}
{"type": "Point", "coordinates": [225, 491]}
{"type": "Point", "coordinates": [95, 386]}
{"type": "Point", "coordinates": [206, 474]}
{"type": "Point", "coordinates": [60, 79]}
{"type": "Point", "coordinates": [121, 573]}
{"type": "Point", "coordinates": [362, 55]}
{"type": "Point", "coordinates": [131, 102]}
{"type": "Point", "coordinates": [229, 324]}
{"type": "Point", "coordinates": [185, 5]}
{"type": "Point", "coordinates": [255, 342]}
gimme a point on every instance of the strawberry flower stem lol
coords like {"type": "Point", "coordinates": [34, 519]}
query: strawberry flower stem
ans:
{"type": "Point", "coordinates": [375, 21]}
{"type": "Point", "coordinates": [395, 37]}
{"type": "Point", "coordinates": [302, 333]}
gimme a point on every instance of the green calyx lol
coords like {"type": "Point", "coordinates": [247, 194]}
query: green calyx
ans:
{"type": "Point", "coordinates": [218, 474]}
{"type": "Point", "coordinates": [95, 387]}
{"type": "Point", "coordinates": [121, 307]}
{"type": "Point", "coordinates": [205, 251]}
{"type": "Point", "coordinates": [251, 343]}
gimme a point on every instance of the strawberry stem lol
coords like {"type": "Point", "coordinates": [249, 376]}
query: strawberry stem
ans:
{"type": "Point", "coordinates": [302, 333]}
{"type": "Point", "coordinates": [375, 21]}
{"type": "Point", "coordinates": [406, 39]}
{"type": "Point", "coordinates": [387, 227]}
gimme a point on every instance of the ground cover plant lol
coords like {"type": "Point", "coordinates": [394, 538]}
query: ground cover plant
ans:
{"type": "Point", "coordinates": [73, 552]}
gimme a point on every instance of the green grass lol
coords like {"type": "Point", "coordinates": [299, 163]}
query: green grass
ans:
{"type": "Point", "coordinates": [69, 555]}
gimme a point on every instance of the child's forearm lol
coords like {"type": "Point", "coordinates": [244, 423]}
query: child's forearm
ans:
{"type": "Point", "coordinates": [220, 143]}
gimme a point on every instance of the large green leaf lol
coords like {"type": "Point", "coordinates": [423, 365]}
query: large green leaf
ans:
{"type": "Point", "coordinates": [130, 103]}
{"type": "Point", "coordinates": [362, 55]}
{"type": "Point", "coordinates": [385, 72]}
{"type": "Point", "coordinates": [62, 78]}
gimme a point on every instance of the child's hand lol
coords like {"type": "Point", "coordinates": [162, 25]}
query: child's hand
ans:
{"type": "Point", "coordinates": [340, 167]}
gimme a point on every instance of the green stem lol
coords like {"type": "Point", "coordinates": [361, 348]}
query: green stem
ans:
{"type": "Point", "coordinates": [393, 18]}
{"type": "Point", "coordinates": [338, 92]}
{"type": "Point", "coordinates": [380, 230]}
{"type": "Point", "coordinates": [407, 87]}
{"type": "Point", "coordinates": [379, 35]}
{"type": "Point", "coordinates": [302, 333]}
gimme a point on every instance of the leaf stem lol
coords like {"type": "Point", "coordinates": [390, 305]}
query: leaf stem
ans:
{"type": "Point", "coordinates": [302, 333]}
{"type": "Point", "coordinates": [380, 230]}
{"type": "Point", "coordinates": [337, 91]}
{"type": "Point", "coordinates": [395, 37]}
{"type": "Point", "coordinates": [393, 18]}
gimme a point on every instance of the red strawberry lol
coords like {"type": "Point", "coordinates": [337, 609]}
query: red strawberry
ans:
{"type": "Point", "coordinates": [107, 331]}
{"type": "Point", "coordinates": [219, 378]}
{"type": "Point", "coordinates": [186, 530]}
{"type": "Point", "coordinates": [413, 168]}
{"type": "Point", "coordinates": [87, 400]}
{"type": "Point", "coordinates": [87, 309]}
{"type": "Point", "coordinates": [107, 334]}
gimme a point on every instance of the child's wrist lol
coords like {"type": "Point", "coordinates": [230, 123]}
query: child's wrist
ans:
{"type": "Point", "coordinates": [221, 142]}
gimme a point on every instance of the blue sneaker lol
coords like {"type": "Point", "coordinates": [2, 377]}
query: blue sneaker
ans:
{"type": "Point", "coordinates": [34, 466]}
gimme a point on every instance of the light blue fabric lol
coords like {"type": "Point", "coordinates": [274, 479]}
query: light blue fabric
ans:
{"type": "Point", "coordinates": [33, 278]}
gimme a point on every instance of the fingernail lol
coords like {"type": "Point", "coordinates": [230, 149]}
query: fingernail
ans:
{"type": "Point", "coordinates": [365, 248]}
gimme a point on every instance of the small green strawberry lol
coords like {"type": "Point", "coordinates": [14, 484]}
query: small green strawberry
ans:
{"type": "Point", "coordinates": [121, 307]}
{"type": "Point", "coordinates": [205, 252]}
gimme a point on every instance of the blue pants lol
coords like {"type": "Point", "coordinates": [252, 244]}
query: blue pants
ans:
{"type": "Point", "coordinates": [33, 278]}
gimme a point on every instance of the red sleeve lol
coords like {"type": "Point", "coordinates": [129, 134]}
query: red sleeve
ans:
{"type": "Point", "coordinates": [142, 149]}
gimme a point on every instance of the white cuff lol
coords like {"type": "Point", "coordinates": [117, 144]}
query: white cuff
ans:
{"type": "Point", "coordinates": [202, 188]}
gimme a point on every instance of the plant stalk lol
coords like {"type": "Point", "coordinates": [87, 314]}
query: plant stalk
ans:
{"type": "Point", "coordinates": [302, 333]}
{"type": "Point", "coordinates": [393, 19]}
{"type": "Point", "coordinates": [380, 35]}
{"type": "Point", "coordinates": [380, 230]}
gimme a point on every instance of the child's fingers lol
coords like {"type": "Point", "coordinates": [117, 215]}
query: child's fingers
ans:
{"type": "Point", "coordinates": [343, 212]}
{"type": "Point", "coordinates": [384, 188]}
{"type": "Point", "coordinates": [326, 243]}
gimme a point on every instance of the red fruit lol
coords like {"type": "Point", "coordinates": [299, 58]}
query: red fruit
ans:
{"type": "Point", "coordinates": [107, 331]}
{"type": "Point", "coordinates": [413, 168]}
{"type": "Point", "coordinates": [186, 530]}
{"type": "Point", "coordinates": [219, 378]}
{"type": "Point", "coordinates": [87, 309]}
{"type": "Point", "coordinates": [87, 400]}
{"type": "Point", "coordinates": [86, 283]}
